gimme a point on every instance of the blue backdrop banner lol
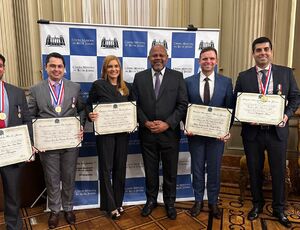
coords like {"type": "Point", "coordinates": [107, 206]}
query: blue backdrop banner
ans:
{"type": "Point", "coordinates": [84, 47]}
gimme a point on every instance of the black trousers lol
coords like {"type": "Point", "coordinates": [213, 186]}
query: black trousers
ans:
{"type": "Point", "coordinates": [267, 139]}
{"type": "Point", "coordinates": [11, 175]}
{"type": "Point", "coordinates": [152, 153]}
{"type": "Point", "coordinates": [112, 151]}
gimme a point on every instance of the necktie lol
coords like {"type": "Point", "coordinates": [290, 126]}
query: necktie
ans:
{"type": "Point", "coordinates": [206, 91]}
{"type": "Point", "coordinates": [157, 83]}
{"type": "Point", "coordinates": [263, 76]}
{"type": "Point", "coordinates": [56, 87]}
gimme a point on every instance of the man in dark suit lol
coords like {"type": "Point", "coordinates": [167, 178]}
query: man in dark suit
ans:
{"type": "Point", "coordinates": [14, 112]}
{"type": "Point", "coordinates": [267, 78]}
{"type": "Point", "coordinates": [58, 97]}
{"type": "Point", "coordinates": [161, 104]}
{"type": "Point", "coordinates": [207, 150]}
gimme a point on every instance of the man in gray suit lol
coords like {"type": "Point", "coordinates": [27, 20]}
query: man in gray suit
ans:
{"type": "Point", "coordinates": [13, 112]}
{"type": "Point", "coordinates": [58, 97]}
{"type": "Point", "coordinates": [162, 102]}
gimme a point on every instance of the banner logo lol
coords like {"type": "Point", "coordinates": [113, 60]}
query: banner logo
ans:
{"type": "Point", "coordinates": [108, 43]}
{"type": "Point", "coordinates": [160, 42]}
{"type": "Point", "coordinates": [55, 40]}
{"type": "Point", "coordinates": [204, 44]}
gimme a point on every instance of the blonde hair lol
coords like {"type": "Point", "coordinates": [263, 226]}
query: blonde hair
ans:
{"type": "Point", "coordinates": [121, 85]}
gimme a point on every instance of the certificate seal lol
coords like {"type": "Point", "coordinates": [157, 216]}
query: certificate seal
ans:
{"type": "Point", "coordinates": [58, 109]}
{"type": "Point", "coordinates": [2, 116]}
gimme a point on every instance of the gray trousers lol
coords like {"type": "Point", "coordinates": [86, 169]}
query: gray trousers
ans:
{"type": "Point", "coordinates": [60, 165]}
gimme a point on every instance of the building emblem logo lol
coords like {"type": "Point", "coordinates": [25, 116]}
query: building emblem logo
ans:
{"type": "Point", "coordinates": [55, 40]}
{"type": "Point", "coordinates": [164, 43]}
{"type": "Point", "coordinates": [203, 44]}
{"type": "Point", "coordinates": [108, 43]}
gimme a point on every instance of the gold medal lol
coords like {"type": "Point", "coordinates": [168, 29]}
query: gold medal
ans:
{"type": "Point", "coordinates": [58, 109]}
{"type": "Point", "coordinates": [2, 116]}
{"type": "Point", "coordinates": [264, 98]}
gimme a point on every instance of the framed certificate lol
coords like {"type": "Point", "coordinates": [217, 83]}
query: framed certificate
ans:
{"type": "Point", "coordinates": [15, 145]}
{"type": "Point", "coordinates": [115, 118]}
{"type": "Point", "coordinates": [208, 121]}
{"type": "Point", "coordinates": [261, 109]}
{"type": "Point", "coordinates": [56, 133]}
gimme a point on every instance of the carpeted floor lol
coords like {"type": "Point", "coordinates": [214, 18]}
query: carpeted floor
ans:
{"type": "Point", "coordinates": [233, 217]}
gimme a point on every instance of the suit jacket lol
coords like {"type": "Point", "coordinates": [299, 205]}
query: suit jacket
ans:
{"type": "Point", "coordinates": [17, 104]}
{"type": "Point", "coordinates": [247, 82]}
{"type": "Point", "coordinates": [170, 106]}
{"type": "Point", "coordinates": [40, 105]}
{"type": "Point", "coordinates": [222, 95]}
{"type": "Point", "coordinates": [104, 92]}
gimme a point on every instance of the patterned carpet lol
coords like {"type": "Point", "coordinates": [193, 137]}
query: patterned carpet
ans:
{"type": "Point", "coordinates": [233, 217]}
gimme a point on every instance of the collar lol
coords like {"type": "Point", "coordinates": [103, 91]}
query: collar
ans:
{"type": "Point", "coordinates": [259, 69]}
{"type": "Point", "coordinates": [162, 72]}
{"type": "Point", "coordinates": [53, 82]}
{"type": "Point", "coordinates": [211, 77]}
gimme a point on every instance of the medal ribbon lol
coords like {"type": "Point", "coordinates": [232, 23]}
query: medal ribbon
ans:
{"type": "Point", "coordinates": [265, 88]}
{"type": "Point", "coordinates": [57, 99]}
{"type": "Point", "coordinates": [2, 97]}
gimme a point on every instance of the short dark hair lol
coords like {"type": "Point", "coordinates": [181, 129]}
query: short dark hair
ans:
{"type": "Point", "coordinates": [55, 55]}
{"type": "Point", "coordinates": [261, 40]}
{"type": "Point", "coordinates": [206, 49]}
{"type": "Point", "coordinates": [3, 59]}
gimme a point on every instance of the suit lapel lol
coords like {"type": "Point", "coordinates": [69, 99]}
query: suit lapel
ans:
{"type": "Point", "coordinates": [45, 88]}
{"type": "Point", "coordinates": [164, 83]}
{"type": "Point", "coordinates": [196, 88]}
{"type": "Point", "coordinates": [66, 95]}
{"type": "Point", "coordinates": [276, 80]}
{"type": "Point", "coordinates": [253, 78]}
{"type": "Point", "coordinates": [11, 101]}
{"type": "Point", "coordinates": [217, 87]}
{"type": "Point", "coordinates": [167, 80]}
{"type": "Point", "coordinates": [149, 82]}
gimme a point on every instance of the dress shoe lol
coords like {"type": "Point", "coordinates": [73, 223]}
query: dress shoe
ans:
{"type": "Point", "coordinates": [196, 209]}
{"type": "Point", "coordinates": [254, 213]}
{"type": "Point", "coordinates": [70, 217]}
{"type": "Point", "coordinates": [121, 210]}
{"type": "Point", "coordinates": [215, 211]}
{"type": "Point", "coordinates": [114, 215]}
{"type": "Point", "coordinates": [53, 220]}
{"type": "Point", "coordinates": [171, 212]}
{"type": "Point", "coordinates": [148, 208]}
{"type": "Point", "coordinates": [282, 219]}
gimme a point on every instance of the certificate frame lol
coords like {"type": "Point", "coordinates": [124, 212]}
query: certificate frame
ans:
{"type": "Point", "coordinates": [208, 121]}
{"type": "Point", "coordinates": [56, 133]}
{"type": "Point", "coordinates": [261, 109]}
{"type": "Point", "coordinates": [15, 145]}
{"type": "Point", "coordinates": [115, 117]}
